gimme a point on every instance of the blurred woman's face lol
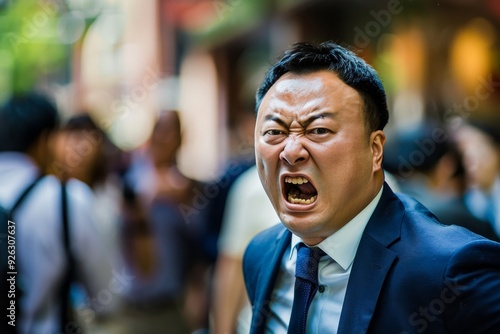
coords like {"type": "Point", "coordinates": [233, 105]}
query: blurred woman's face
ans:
{"type": "Point", "coordinates": [481, 160]}
{"type": "Point", "coordinates": [166, 139]}
{"type": "Point", "coordinates": [76, 155]}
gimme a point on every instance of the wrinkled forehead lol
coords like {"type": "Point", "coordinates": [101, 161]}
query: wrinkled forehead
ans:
{"type": "Point", "coordinates": [292, 83]}
{"type": "Point", "coordinates": [309, 91]}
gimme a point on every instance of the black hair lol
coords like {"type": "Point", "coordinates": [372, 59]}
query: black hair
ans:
{"type": "Point", "coordinates": [305, 58]}
{"type": "Point", "coordinates": [489, 127]}
{"type": "Point", "coordinates": [422, 147]}
{"type": "Point", "coordinates": [82, 121]}
{"type": "Point", "coordinates": [23, 118]}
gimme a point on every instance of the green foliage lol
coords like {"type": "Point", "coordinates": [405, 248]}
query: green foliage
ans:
{"type": "Point", "coordinates": [231, 17]}
{"type": "Point", "coordinates": [29, 44]}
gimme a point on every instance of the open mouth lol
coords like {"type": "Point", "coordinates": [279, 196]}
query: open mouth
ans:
{"type": "Point", "coordinates": [298, 190]}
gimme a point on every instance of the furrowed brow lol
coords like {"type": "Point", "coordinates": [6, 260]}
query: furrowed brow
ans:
{"type": "Point", "coordinates": [312, 118]}
{"type": "Point", "coordinates": [274, 118]}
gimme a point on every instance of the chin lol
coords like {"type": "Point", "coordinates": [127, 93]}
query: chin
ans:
{"type": "Point", "coordinates": [300, 226]}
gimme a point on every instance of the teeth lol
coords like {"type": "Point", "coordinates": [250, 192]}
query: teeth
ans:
{"type": "Point", "coordinates": [294, 194]}
{"type": "Point", "coordinates": [300, 200]}
{"type": "Point", "coordinates": [296, 180]}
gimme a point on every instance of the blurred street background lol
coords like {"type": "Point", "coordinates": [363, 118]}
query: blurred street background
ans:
{"type": "Point", "coordinates": [123, 60]}
{"type": "Point", "coordinates": [125, 65]}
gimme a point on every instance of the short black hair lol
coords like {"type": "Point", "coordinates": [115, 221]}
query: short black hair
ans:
{"type": "Point", "coordinates": [82, 121]}
{"type": "Point", "coordinates": [23, 118]}
{"type": "Point", "coordinates": [421, 146]}
{"type": "Point", "coordinates": [303, 58]}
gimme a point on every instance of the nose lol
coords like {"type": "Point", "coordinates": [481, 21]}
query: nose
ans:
{"type": "Point", "coordinates": [294, 152]}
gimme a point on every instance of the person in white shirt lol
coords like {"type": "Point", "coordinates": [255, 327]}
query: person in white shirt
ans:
{"type": "Point", "coordinates": [248, 211]}
{"type": "Point", "coordinates": [27, 125]}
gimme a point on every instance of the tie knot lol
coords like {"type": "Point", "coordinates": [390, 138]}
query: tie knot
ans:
{"type": "Point", "coordinates": [307, 262]}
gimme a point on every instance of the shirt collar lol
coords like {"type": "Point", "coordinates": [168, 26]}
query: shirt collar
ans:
{"type": "Point", "coordinates": [343, 244]}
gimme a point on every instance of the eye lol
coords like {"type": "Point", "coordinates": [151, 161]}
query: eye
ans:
{"type": "Point", "coordinates": [319, 131]}
{"type": "Point", "coordinates": [273, 136]}
{"type": "Point", "coordinates": [273, 132]}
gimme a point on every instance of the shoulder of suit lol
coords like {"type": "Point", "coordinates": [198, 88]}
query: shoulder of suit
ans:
{"type": "Point", "coordinates": [423, 228]}
{"type": "Point", "coordinates": [269, 235]}
{"type": "Point", "coordinates": [265, 240]}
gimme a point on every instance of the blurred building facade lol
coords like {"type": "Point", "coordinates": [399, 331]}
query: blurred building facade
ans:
{"type": "Point", "coordinates": [128, 60]}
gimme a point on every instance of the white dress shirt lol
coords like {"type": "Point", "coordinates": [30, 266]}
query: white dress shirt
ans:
{"type": "Point", "coordinates": [248, 211]}
{"type": "Point", "coordinates": [40, 254]}
{"type": "Point", "coordinates": [333, 274]}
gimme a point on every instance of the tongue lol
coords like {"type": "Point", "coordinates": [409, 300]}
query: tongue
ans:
{"type": "Point", "coordinates": [307, 189]}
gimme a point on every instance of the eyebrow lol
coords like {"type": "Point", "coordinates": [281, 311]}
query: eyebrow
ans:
{"type": "Point", "coordinates": [312, 118]}
{"type": "Point", "coordinates": [305, 123]}
{"type": "Point", "coordinates": [276, 119]}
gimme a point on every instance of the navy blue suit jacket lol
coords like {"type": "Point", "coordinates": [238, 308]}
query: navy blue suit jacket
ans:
{"type": "Point", "coordinates": [410, 274]}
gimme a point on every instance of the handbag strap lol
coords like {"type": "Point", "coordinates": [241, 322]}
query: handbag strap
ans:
{"type": "Point", "coordinates": [23, 196]}
{"type": "Point", "coordinates": [67, 318]}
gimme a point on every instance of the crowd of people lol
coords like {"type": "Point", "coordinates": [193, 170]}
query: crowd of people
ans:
{"type": "Point", "coordinates": [142, 249]}
{"type": "Point", "coordinates": [141, 260]}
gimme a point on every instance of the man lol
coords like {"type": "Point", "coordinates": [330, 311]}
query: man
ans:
{"type": "Point", "coordinates": [385, 263]}
{"type": "Point", "coordinates": [231, 309]}
{"type": "Point", "coordinates": [27, 125]}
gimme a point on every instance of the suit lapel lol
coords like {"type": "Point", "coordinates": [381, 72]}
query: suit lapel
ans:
{"type": "Point", "coordinates": [266, 281]}
{"type": "Point", "coordinates": [371, 265]}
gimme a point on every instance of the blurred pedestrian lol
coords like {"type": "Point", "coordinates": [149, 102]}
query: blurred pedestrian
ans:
{"type": "Point", "coordinates": [432, 171]}
{"type": "Point", "coordinates": [83, 151]}
{"type": "Point", "coordinates": [55, 226]}
{"type": "Point", "coordinates": [248, 211]}
{"type": "Point", "coordinates": [480, 145]}
{"type": "Point", "coordinates": [163, 238]}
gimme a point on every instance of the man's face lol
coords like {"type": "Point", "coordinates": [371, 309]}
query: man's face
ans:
{"type": "Point", "coordinates": [318, 163]}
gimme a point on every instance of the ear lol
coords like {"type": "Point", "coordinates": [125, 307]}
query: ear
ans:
{"type": "Point", "coordinates": [377, 141]}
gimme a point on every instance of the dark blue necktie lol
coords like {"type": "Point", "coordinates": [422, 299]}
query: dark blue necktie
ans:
{"type": "Point", "coordinates": [306, 285]}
